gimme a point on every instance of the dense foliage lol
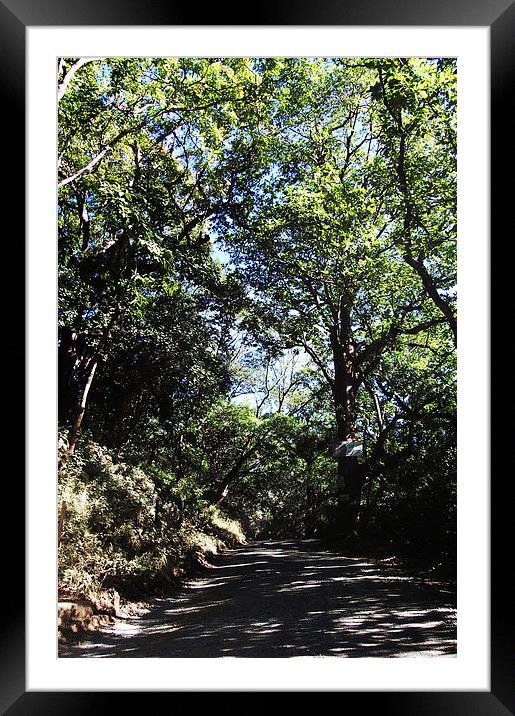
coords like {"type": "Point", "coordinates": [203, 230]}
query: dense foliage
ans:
{"type": "Point", "coordinates": [257, 259]}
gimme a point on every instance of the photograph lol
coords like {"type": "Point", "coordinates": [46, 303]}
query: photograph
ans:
{"type": "Point", "coordinates": [257, 356]}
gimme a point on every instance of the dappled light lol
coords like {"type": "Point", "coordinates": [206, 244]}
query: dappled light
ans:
{"type": "Point", "coordinates": [308, 601]}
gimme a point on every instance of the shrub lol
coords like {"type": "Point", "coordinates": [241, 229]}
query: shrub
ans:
{"type": "Point", "coordinates": [123, 531]}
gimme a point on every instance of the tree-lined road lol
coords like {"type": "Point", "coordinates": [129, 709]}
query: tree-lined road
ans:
{"type": "Point", "coordinates": [283, 599]}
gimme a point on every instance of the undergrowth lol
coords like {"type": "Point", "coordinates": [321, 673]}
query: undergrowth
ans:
{"type": "Point", "coordinates": [126, 532]}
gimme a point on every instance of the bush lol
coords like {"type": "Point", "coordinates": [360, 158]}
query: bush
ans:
{"type": "Point", "coordinates": [119, 533]}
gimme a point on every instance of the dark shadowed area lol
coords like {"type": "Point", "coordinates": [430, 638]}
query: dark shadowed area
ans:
{"type": "Point", "coordinates": [285, 599]}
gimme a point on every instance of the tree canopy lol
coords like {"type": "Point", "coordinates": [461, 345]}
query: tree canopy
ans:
{"type": "Point", "coordinates": [257, 260]}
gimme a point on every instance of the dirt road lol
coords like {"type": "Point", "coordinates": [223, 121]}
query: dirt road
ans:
{"type": "Point", "coordinates": [282, 599]}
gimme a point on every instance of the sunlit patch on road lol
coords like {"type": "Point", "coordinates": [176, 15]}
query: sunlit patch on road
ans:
{"type": "Point", "coordinates": [299, 601]}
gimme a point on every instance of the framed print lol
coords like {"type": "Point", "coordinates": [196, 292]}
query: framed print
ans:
{"type": "Point", "coordinates": [480, 678]}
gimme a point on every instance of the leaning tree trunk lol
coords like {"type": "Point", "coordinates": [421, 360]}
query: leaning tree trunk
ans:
{"type": "Point", "coordinates": [220, 491]}
{"type": "Point", "coordinates": [77, 423]}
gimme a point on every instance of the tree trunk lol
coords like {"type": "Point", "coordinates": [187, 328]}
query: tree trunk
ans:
{"type": "Point", "coordinates": [310, 494]}
{"type": "Point", "coordinates": [62, 519]}
{"type": "Point", "coordinates": [75, 429]}
{"type": "Point", "coordinates": [68, 359]}
{"type": "Point", "coordinates": [77, 365]}
{"type": "Point", "coordinates": [350, 477]}
{"type": "Point", "coordinates": [219, 492]}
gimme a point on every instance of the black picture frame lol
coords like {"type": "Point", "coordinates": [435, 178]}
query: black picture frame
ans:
{"type": "Point", "coordinates": [499, 16]}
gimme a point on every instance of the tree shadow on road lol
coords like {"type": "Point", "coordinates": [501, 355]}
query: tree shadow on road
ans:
{"type": "Point", "coordinates": [286, 599]}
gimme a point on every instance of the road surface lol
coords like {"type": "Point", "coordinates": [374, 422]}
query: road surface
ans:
{"type": "Point", "coordinates": [284, 599]}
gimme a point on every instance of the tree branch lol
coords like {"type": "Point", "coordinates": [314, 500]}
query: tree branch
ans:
{"type": "Point", "coordinates": [63, 85]}
{"type": "Point", "coordinates": [319, 363]}
{"type": "Point", "coordinates": [432, 292]}
{"type": "Point", "coordinates": [87, 168]}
